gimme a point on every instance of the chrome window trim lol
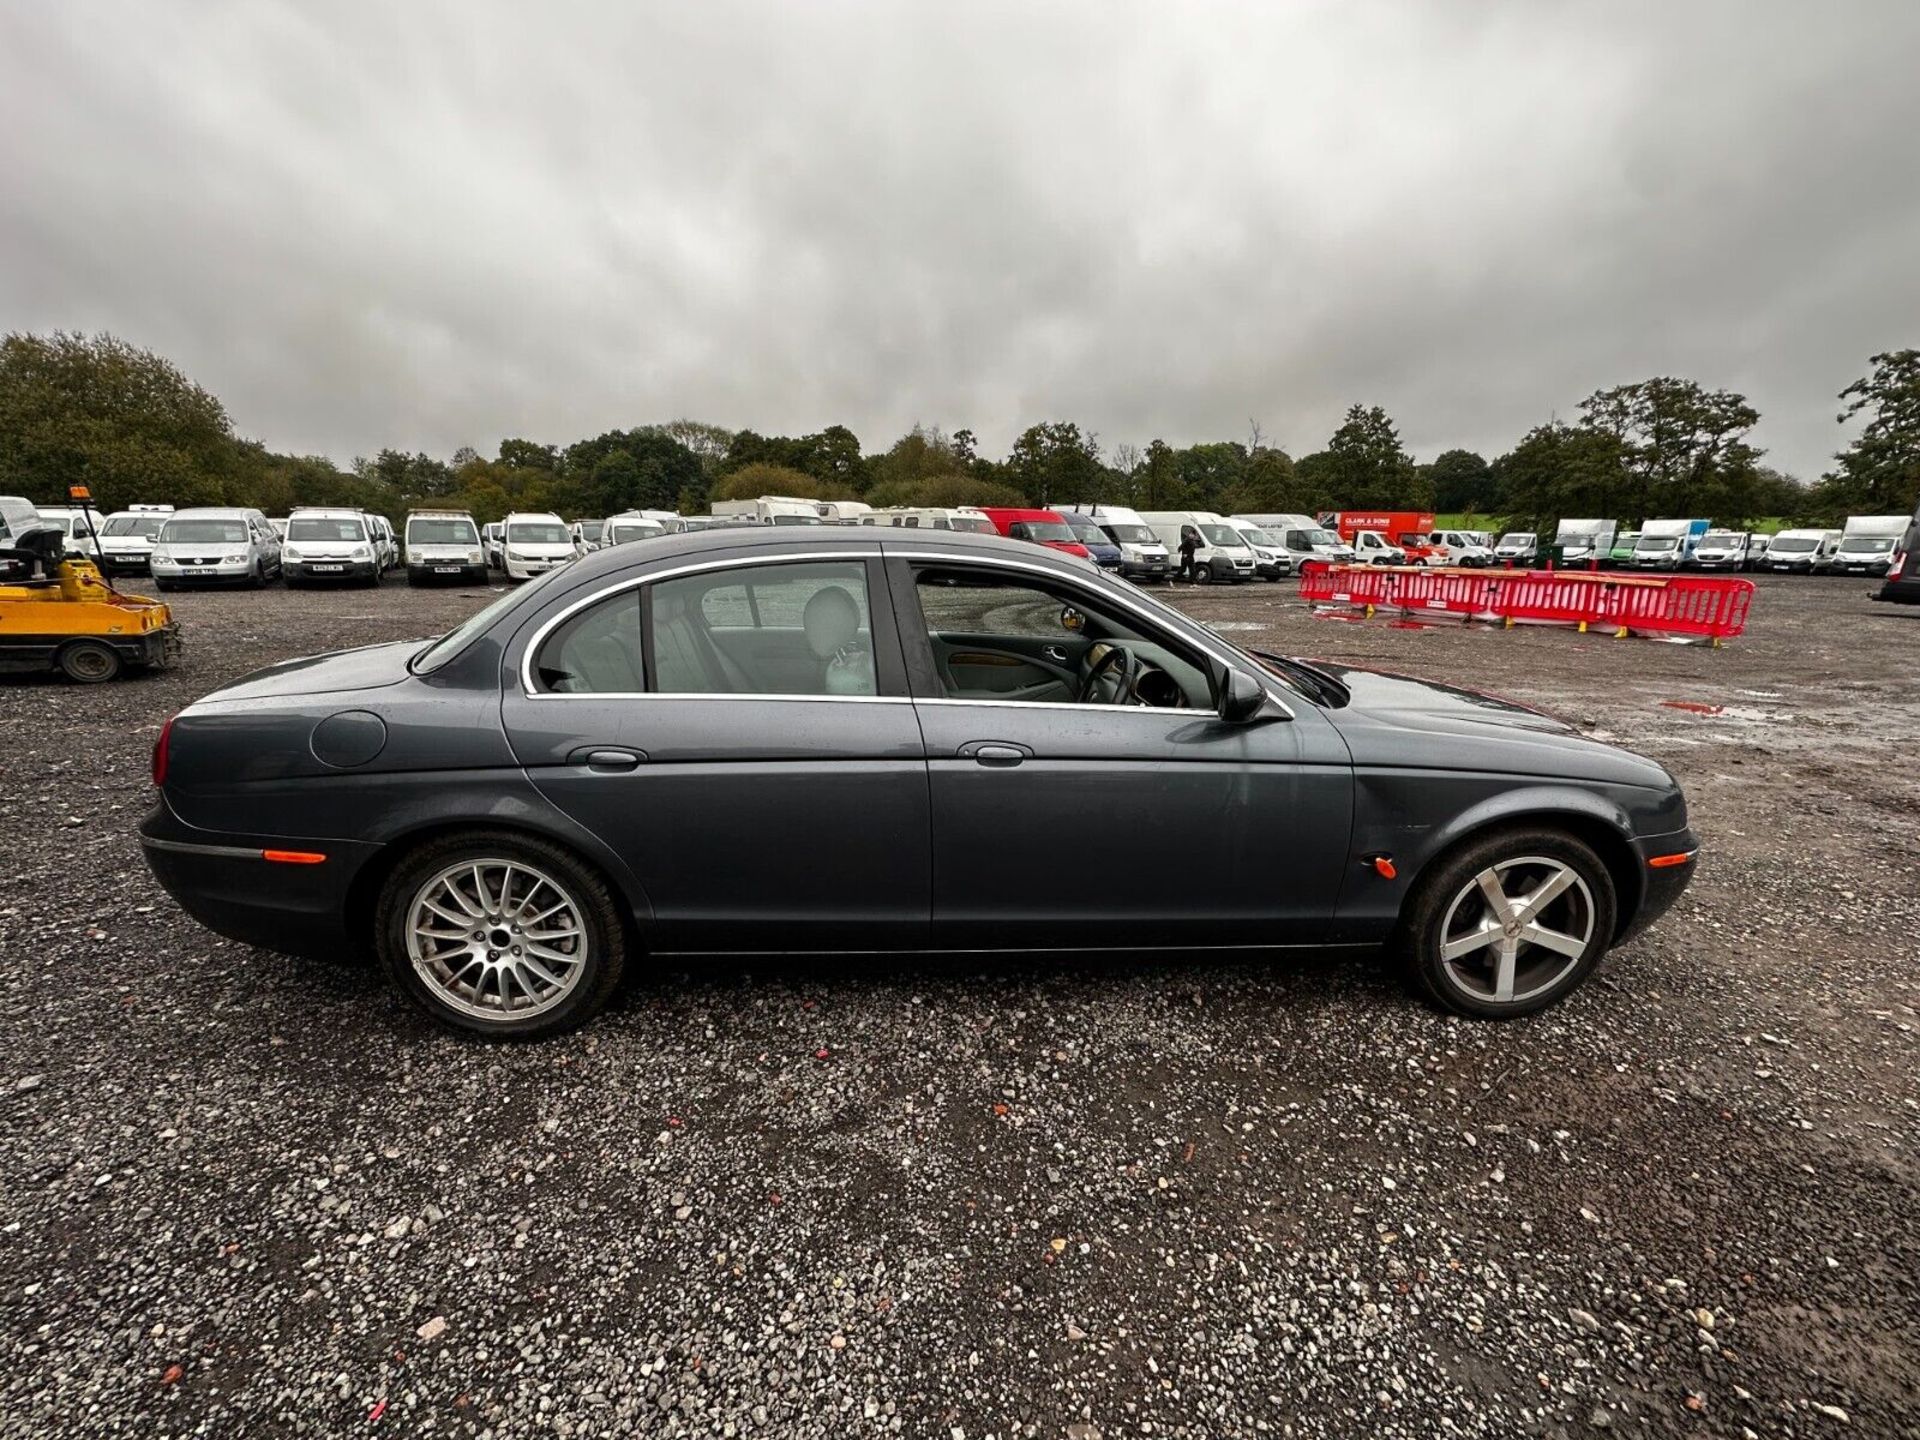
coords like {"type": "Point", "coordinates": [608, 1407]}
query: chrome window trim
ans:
{"type": "Point", "coordinates": [530, 692]}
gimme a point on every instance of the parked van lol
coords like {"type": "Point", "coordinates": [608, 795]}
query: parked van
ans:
{"type": "Point", "coordinates": [968, 518]}
{"type": "Point", "coordinates": [1801, 551]}
{"type": "Point", "coordinates": [641, 525]}
{"type": "Point", "coordinates": [1519, 547]}
{"type": "Point", "coordinates": [842, 512]}
{"type": "Point", "coordinates": [1222, 555]}
{"type": "Point", "coordinates": [589, 533]}
{"type": "Point", "coordinates": [1902, 585]}
{"type": "Point", "coordinates": [1620, 553]}
{"type": "Point", "coordinates": [1667, 544]}
{"type": "Point", "coordinates": [773, 510]}
{"type": "Point", "coordinates": [1866, 544]}
{"type": "Point", "coordinates": [1370, 547]}
{"type": "Point", "coordinates": [493, 541]}
{"type": "Point", "coordinates": [1038, 527]}
{"type": "Point", "coordinates": [1583, 542]}
{"type": "Point", "coordinates": [1459, 547]}
{"type": "Point", "coordinates": [79, 528]}
{"type": "Point", "coordinates": [1270, 558]}
{"type": "Point", "coordinates": [215, 545]}
{"type": "Point", "coordinates": [1142, 556]}
{"type": "Point", "coordinates": [1721, 550]}
{"type": "Point", "coordinates": [385, 541]}
{"type": "Point", "coordinates": [1100, 547]}
{"type": "Point", "coordinates": [327, 542]}
{"type": "Point", "coordinates": [444, 545]}
{"type": "Point", "coordinates": [1308, 540]}
{"type": "Point", "coordinates": [126, 538]}
{"type": "Point", "coordinates": [534, 543]}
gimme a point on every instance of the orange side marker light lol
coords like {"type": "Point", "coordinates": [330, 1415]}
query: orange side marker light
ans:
{"type": "Point", "coordinates": [293, 857]}
{"type": "Point", "coordinates": [1662, 862]}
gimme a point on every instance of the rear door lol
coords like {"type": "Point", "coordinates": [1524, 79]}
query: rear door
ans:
{"type": "Point", "coordinates": [744, 739]}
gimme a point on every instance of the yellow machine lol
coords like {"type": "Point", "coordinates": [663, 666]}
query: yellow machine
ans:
{"type": "Point", "coordinates": [57, 613]}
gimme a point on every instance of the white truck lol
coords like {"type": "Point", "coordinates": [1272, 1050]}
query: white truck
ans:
{"type": "Point", "coordinates": [1584, 542]}
{"type": "Point", "coordinates": [1667, 544]}
{"type": "Point", "coordinates": [773, 510]}
{"type": "Point", "coordinates": [1867, 544]}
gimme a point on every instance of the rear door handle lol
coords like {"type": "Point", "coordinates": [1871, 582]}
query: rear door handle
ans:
{"type": "Point", "coordinates": [606, 757]}
{"type": "Point", "coordinates": [1000, 754]}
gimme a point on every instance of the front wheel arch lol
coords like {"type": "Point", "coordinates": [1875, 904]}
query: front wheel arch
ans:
{"type": "Point", "coordinates": [1613, 847]}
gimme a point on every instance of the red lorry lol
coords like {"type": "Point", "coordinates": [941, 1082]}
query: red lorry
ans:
{"type": "Point", "coordinates": [1408, 531]}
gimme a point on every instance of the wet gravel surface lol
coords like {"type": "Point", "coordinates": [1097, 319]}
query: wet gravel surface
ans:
{"type": "Point", "coordinates": [241, 1195]}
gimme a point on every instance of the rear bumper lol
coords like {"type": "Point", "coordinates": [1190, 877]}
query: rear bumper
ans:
{"type": "Point", "coordinates": [226, 883]}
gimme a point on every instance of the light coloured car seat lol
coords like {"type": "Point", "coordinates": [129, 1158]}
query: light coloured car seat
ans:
{"type": "Point", "coordinates": [832, 624]}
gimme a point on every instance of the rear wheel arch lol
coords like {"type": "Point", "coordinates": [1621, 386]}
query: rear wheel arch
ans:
{"type": "Point", "coordinates": [363, 894]}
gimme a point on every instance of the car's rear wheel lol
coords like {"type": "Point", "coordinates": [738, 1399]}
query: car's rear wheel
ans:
{"type": "Point", "coordinates": [501, 935]}
{"type": "Point", "coordinates": [1509, 924]}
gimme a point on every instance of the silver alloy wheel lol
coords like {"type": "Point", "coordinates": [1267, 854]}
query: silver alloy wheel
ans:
{"type": "Point", "coordinates": [1516, 929]}
{"type": "Point", "coordinates": [496, 939]}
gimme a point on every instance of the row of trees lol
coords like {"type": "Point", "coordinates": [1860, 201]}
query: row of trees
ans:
{"type": "Point", "coordinates": [95, 410]}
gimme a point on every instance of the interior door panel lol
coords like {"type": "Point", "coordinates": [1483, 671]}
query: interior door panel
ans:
{"type": "Point", "coordinates": [1021, 667]}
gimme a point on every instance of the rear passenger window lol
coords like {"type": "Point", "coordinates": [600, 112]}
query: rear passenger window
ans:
{"type": "Point", "coordinates": [802, 629]}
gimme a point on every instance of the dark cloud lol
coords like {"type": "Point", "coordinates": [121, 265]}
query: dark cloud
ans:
{"type": "Point", "coordinates": [380, 224]}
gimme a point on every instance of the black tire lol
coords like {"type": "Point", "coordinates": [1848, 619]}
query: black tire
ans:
{"type": "Point", "coordinates": [90, 662]}
{"type": "Point", "coordinates": [1420, 935]}
{"type": "Point", "coordinates": [599, 915]}
{"type": "Point", "coordinates": [1203, 574]}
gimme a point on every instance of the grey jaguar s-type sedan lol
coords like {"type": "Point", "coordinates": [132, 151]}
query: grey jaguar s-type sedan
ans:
{"type": "Point", "coordinates": [784, 740]}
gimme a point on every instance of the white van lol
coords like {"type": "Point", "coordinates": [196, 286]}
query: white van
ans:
{"type": "Point", "coordinates": [1584, 542]}
{"type": "Point", "coordinates": [444, 545]}
{"type": "Point", "coordinates": [1142, 556]}
{"type": "Point", "coordinates": [630, 525]}
{"type": "Point", "coordinates": [1519, 546]}
{"type": "Point", "coordinates": [842, 512]}
{"type": "Point", "coordinates": [773, 510]}
{"type": "Point", "coordinates": [590, 535]}
{"type": "Point", "coordinates": [1867, 544]}
{"type": "Point", "coordinates": [1222, 556]}
{"type": "Point", "coordinates": [534, 543]}
{"type": "Point", "coordinates": [931, 517]}
{"type": "Point", "coordinates": [1460, 547]}
{"type": "Point", "coordinates": [215, 545]}
{"type": "Point", "coordinates": [1270, 558]}
{"type": "Point", "coordinates": [326, 542]}
{"type": "Point", "coordinates": [126, 538]}
{"type": "Point", "coordinates": [1800, 551]}
{"type": "Point", "coordinates": [1720, 550]}
{"type": "Point", "coordinates": [80, 528]}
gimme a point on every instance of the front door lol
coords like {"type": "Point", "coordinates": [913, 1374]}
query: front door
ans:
{"type": "Point", "coordinates": [1061, 819]}
{"type": "Point", "coordinates": [742, 735]}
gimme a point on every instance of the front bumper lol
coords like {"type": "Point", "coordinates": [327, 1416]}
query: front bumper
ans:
{"type": "Point", "coordinates": [1858, 567]}
{"type": "Point", "coordinates": [1661, 885]}
{"type": "Point", "coordinates": [138, 563]}
{"type": "Point", "coordinates": [226, 883]}
{"type": "Point", "coordinates": [452, 571]}
{"type": "Point", "coordinates": [1145, 569]}
{"type": "Point", "coordinates": [175, 574]}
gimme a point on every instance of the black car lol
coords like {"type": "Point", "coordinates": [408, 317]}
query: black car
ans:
{"type": "Point", "coordinates": [773, 741]}
{"type": "Point", "coordinates": [1902, 584]}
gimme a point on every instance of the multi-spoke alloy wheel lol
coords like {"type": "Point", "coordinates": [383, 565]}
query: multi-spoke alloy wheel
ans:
{"type": "Point", "coordinates": [1516, 928]}
{"type": "Point", "coordinates": [498, 939]}
{"type": "Point", "coordinates": [1509, 923]}
{"type": "Point", "coordinates": [502, 934]}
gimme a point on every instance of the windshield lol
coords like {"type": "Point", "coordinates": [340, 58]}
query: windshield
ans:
{"type": "Point", "coordinates": [147, 525]}
{"type": "Point", "coordinates": [1225, 536]}
{"type": "Point", "coordinates": [1132, 535]}
{"type": "Point", "coordinates": [1044, 531]}
{"type": "Point", "coordinates": [1793, 543]}
{"type": "Point", "coordinates": [456, 639]}
{"type": "Point", "coordinates": [1254, 535]}
{"type": "Point", "coordinates": [1516, 539]}
{"type": "Point", "coordinates": [1088, 534]}
{"type": "Point", "coordinates": [973, 524]}
{"type": "Point", "coordinates": [796, 519]}
{"type": "Point", "coordinates": [1414, 537]}
{"type": "Point", "coordinates": [348, 530]}
{"type": "Point", "coordinates": [1321, 539]}
{"type": "Point", "coordinates": [1657, 542]}
{"type": "Point", "coordinates": [622, 531]}
{"type": "Point", "coordinates": [1722, 538]}
{"type": "Point", "coordinates": [203, 532]}
{"type": "Point", "coordinates": [538, 532]}
{"type": "Point", "coordinates": [451, 531]}
{"type": "Point", "coordinates": [590, 529]}
{"type": "Point", "coordinates": [1869, 544]}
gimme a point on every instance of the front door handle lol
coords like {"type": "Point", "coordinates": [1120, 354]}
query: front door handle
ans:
{"type": "Point", "coordinates": [606, 757]}
{"type": "Point", "coordinates": [1000, 754]}
{"type": "Point", "coordinates": [1056, 653]}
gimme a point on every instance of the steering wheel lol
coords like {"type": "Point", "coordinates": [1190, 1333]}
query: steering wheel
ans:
{"type": "Point", "coordinates": [1092, 691]}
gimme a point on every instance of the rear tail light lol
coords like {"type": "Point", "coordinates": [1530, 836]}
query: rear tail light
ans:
{"type": "Point", "coordinates": [160, 749]}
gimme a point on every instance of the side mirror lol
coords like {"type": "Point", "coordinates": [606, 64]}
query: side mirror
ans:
{"type": "Point", "coordinates": [1242, 698]}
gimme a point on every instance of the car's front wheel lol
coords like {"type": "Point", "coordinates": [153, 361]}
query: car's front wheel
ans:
{"type": "Point", "coordinates": [502, 935]}
{"type": "Point", "coordinates": [1509, 924]}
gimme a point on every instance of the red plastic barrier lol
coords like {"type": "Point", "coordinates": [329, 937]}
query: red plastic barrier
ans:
{"type": "Point", "coordinates": [1711, 606]}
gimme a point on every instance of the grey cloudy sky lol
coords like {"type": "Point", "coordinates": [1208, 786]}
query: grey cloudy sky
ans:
{"type": "Point", "coordinates": [427, 226]}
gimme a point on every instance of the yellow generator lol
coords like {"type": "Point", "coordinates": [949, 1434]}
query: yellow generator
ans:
{"type": "Point", "coordinates": [57, 613]}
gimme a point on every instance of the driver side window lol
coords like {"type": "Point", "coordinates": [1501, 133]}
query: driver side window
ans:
{"type": "Point", "coordinates": [998, 637]}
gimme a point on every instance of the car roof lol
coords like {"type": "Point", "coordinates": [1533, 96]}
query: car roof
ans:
{"type": "Point", "coordinates": [212, 512]}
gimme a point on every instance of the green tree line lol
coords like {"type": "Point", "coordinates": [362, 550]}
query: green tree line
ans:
{"type": "Point", "coordinates": [94, 410]}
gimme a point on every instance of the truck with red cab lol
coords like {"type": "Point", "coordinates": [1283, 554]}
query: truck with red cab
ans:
{"type": "Point", "coordinates": [1407, 531]}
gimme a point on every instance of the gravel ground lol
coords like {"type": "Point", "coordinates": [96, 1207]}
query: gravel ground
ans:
{"type": "Point", "coordinates": [245, 1195]}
